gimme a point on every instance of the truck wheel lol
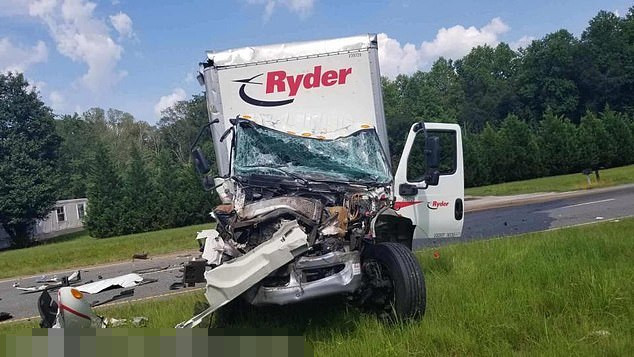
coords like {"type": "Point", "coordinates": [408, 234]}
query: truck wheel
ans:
{"type": "Point", "coordinates": [394, 282]}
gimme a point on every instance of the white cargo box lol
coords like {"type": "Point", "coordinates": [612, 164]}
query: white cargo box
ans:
{"type": "Point", "coordinates": [321, 89]}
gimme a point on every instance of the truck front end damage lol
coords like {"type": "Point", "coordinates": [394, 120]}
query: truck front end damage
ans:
{"type": "Point", "coordinates": [301, 141]}
{"type": "Point", "coordinates": [300, 214]}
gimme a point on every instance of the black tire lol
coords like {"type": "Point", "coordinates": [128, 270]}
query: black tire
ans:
{"type": "Point", "coordinates": [407, 298]}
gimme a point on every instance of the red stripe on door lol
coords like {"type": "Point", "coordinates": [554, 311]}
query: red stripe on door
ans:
{"type": "Point", "coordinates": [401, 204]}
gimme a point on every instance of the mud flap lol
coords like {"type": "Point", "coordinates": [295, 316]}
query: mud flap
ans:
{"type": "Point", "coordinates": [229, 280]}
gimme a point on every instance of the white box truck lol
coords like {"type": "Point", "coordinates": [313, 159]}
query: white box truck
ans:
{"type": "Point", "coordinates": [311, 206]}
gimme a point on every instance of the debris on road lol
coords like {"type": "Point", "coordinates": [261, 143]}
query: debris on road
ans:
{"type": "Point", "coordinates": [123, 281]}
{"type": "Point", "coordinates": [5, 316]}
{"type": "Point", "coordinates": [147, 281]}
{"type": "Point", "coordinates": [34, 289]}
{"type": "Point", "coordinates": [177, 285]}
{"type": "Point", "coordinates": [76, 275]}
{"type": "Point", "coordinates": [194, 272]}
{"type": "Point", "coordinates": [50, 283]}
{"type": "Point", "coordinates": [122, 295]}
{"type": "Point", "coordinates": [45, 279]}
{"type": "Point", "coordinates": [142, 256]}
{"type": "Point", "coordinates": [150, 270]}
{"type": "Point", "coordinates": [71, 310]}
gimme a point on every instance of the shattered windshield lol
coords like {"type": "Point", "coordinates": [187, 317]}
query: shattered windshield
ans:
{"type": "Point", "coordinates": [355, 158]}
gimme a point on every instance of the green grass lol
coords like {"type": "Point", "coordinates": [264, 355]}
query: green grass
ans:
{"type": "Point", "coordinates": [561, 292]}
{"type": "Point", "coordinates": [80, 249]}
{"type": "Point", "coordinates": [610, 177]}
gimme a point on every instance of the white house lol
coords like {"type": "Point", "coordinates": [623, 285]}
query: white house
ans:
{"type": "Point", "coordinates": [66, 217]}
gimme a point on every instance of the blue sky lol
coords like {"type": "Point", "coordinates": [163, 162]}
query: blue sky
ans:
{"type": "Point", "coordinates": [140, 55]}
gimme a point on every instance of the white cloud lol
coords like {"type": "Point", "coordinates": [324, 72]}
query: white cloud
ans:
{"type": "Point", "coordinates": [35, 85]}
{"type": "Point", "coordinates": [395, 59]}
{"type": "Point", "coordinates": [123, 24]}
{"type": "Point", "coordinates": [169, 100]}
{"type": "Point", "coordinates": [523, 42]}
{"type": "Point", "coordinates": [57, 101]}
{"type": "Point", "coordinates": [82, 37]}
{"type": "Point", "coordinates": [453, 42]}
{"type": "Point", "coordinates": [16, 58]}
{"type": "Point", "coordinates": [301, 7]}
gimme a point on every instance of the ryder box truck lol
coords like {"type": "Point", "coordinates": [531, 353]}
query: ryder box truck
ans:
{"type": "Point", "coordinates": [310, 203]}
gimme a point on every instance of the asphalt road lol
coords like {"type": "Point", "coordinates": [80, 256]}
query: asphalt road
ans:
{"type": "Point", "coordinates": [22, 305]}
{"type": "Point", "coordinates": [498, 222]}
{"type": "Point", "coordinates": [478, 225]}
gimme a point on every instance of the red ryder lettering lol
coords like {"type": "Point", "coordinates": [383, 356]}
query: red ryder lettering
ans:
{"type": "Point", "coordinates": [277, 81]}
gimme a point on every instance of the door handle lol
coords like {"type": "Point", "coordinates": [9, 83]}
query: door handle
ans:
{"type": "Point", "coordinates": [458, 209]}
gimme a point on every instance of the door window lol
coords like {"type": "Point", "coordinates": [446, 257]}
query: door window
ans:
{"type": "Point", "coordinates": [416, 163]}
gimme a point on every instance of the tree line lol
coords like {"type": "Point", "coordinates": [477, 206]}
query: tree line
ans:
{"type": "Point", "coordinates": [137, 177]}
{"type": "Point", "coordinates": [560, 105]}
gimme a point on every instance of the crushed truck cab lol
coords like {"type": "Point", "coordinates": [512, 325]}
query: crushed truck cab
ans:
{"type": "Point", "coordinates": [311, 206]}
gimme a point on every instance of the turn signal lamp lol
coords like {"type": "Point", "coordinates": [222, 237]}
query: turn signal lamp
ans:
{"type": "Point", "coordinates": [76, 293]}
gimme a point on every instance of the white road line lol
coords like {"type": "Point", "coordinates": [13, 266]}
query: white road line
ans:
{"type": "Point", "coordinates": [587, 203]}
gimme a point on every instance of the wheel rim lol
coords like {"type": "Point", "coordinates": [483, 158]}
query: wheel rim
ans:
{"type": "Point", "coordinates": [379, 288]}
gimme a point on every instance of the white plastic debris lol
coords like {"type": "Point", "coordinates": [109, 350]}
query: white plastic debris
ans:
{"type": "Point", "coordinates": [124, 281]}
{"type": "Point", "coordinates": [215, 247]}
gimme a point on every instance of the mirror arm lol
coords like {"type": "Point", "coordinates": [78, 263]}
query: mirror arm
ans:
{"type": "Point", "coordinates": [200, 133]}
{"type": "Point", "coordinates": [226, 133]}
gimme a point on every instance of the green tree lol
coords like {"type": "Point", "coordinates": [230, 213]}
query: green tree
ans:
{"type": "Point", "coordinates": [194, 204]}
{"type": "Point", "coordinates": [595, 148]}
{"type": "Point", "coordinates": [138, 203]}
{"type": "Point", "coordinates": [492, 155]}
{"type": "Point", "coordinates": [179, 126]}
{"type": "Point", "coordinates": [445, 84]}
{"type": "Point", "coordinates": [75, 153]}
{"type": "Point", "coordinates": [104, 190]}
{"type": "Point", "coordinates": [167, 190]}
{"type": "Point", "coordinates": [487, 75]}
{"type": "Point", "coordinates": [522, 157]}
{"type": "Point", "coordinates": [397, 129]}
{"type": "Point", "coordinates": [547, 76]}
{"type": "Point", "coordinates": [28, 152]}
{"type": "Point", "coordinates": [558, 143]}
{"type": "Point", "coordinates": [604, 63]}
{"type": "Point", "coordinates": [475, 165]}
{"type": "Point", "coordinates": [620, 137]}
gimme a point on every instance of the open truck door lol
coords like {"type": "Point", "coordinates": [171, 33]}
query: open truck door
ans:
{"type": "Point", "coordinates": [432, 197]}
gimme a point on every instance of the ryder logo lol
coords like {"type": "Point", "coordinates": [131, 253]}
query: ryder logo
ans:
{"type": "Point", "coordinates": [436, 204]}
{"type": "Point", "coordinates": [281, 82]}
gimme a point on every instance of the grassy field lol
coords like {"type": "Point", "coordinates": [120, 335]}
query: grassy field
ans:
{"type": "Point", "coordinates": [609, 177]}
{"type": "Point", "coordinates": [80, 249]}
{"type": "Point", "coordinates": [561, 292]}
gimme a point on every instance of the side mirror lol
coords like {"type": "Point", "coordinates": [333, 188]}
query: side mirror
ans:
{"type": "Point", "coordinates": [432, 152]}
{"type": "Point", "coordinates": [405, 189]}
{"type": "Point", "coordinates": [432, 156]}
{"type": "Point", "coordinates": [200, 161]}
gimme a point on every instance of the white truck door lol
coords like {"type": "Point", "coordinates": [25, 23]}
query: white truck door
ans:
{"type": "Point", "coordinates": [436, 211]}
